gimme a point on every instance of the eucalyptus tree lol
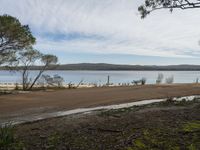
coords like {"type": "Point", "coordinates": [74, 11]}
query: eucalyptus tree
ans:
{"type": "Point", "coordinates": [28, 58]}
{"type": "Point", "coordinates": [152, 5]}
{"type": "Point", "coordinates": [25, 59]}
{"type": "Point", "coordinates": [13, 37]}
{"type": "Point", "coordinates": [47, 61]}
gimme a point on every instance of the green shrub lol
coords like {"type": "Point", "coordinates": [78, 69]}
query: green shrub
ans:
{"type": "Point", "coordinates": [7, 138]}
{"type": "Point", "coordinates": [192, 126]}
{"type": "Point", "coordinates": [16, 86]}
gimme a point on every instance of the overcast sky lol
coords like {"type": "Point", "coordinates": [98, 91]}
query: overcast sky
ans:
{"type": "Point", "coordinates": [109, 31]}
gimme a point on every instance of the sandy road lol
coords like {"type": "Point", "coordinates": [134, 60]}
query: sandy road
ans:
{"type": "Point", "coordinates": [16, 105]}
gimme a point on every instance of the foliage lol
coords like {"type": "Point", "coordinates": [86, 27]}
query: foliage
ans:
{"type": "Point", "coordinates": [7, 138]}
{"type": "Point", "coordinates": [192, 126]}
{"type": "Point", "coordinates": [53, 141]}
{"type": "Point", "coordinates": [16, 50]}
{"type": "Point", "coordinates": [141, 81]}
{"type": "Point", "coordinates": [26, 59]}
{"type": "Point", "coordinates": [47, 61]}
{"type": "Point", "coordinates": [16, 86]}
{"type": "Point", "coordinates": [13, 37]}
{"type": "Point", "coordinates": [159, 78]}
{"type": "Point", "coordinates": [138, 143]}
{"type": "Point", "coordinates": [169, 80]}
{"type": "Point", "coordinates": [151, 5]}
{"type": "Point", "coordinates": [55, 80]}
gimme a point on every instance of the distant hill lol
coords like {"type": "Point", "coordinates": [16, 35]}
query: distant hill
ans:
{"type": "Point", "coordinates": [103, 66]}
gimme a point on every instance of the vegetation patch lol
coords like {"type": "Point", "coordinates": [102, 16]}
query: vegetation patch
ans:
{"type": "Point", "coordinates": [8, 140]}
{"type": "Point", "coordinates": [164, 125]}
{"type": "Point", "coordinates": [192, 126]}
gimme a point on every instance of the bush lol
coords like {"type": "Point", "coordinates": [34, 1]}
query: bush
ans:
{"type": "Point", "coordinates": [197, 80]}
{"type": "Point", "coordinates": [170, 99]}
{"type": "Point", "coordinates": [16, 86]}
{"type": "Point", "coordinates": [169, 80]}
{"type": "Point", "coordinates": [143, 81]}
{"type": "Point", "coordinates": [159, 78]}
{"type": "Point", "coordinates": [55, 81]}
{"type": "Point", "coordinates": [7, 138]}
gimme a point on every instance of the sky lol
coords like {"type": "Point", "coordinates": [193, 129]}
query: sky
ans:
{"type": "Point", "coordinates": [109, 31]}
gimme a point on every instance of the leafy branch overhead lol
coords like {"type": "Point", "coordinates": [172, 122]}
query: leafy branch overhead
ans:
{"type": "Point", "coordinates": [13, 37]}
{"type": "Point", "coordinates": [151, 5]}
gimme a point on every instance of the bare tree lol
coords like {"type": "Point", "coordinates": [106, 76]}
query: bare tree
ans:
{"type": "Point", "coordinates": [152, 5]}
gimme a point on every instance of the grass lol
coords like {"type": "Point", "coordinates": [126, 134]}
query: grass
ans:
{"type": "Point", "coordinates": [8, 140]}
{"type": "Point", "coordinates": [165, 136]}
{"type": "Point", "coordinates": [6, 136]}
{"type": "Point", "coordinates": [53, 141]}
{"type": "Point", "coordinates": [192, 126]}
{"type": "Point", "coordinates": [168, 139]}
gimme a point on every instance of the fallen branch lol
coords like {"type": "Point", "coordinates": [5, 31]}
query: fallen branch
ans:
{"type": "Point", "coordinates": [105, 130]}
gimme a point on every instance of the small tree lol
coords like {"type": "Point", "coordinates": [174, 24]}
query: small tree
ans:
{"type": "Point", "coordinates": [169, 80]}
{"type": "Point", "coordinates": [13, 37]}
{"type": "Point", "coordinates": [159, 78]}
{"type": "Point", "coordinates": [143, 81]}
{"type": "Point", "coordinates": [28, 58]}
{"type": "Point", "coordinates": [47, 61]}
{"type": "Point", "coordinates": [56, 80]}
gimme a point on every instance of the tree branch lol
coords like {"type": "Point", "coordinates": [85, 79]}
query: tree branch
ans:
{"type": "Point", "coordinates": [152, 5]}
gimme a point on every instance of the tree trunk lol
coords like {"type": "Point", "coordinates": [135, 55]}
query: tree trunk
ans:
{"type": "Point", "coordinates": [37, 77]}
{"type": "Point", "coordinates": [23, 80]}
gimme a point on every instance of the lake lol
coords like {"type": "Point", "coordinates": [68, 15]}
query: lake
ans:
{"type": "Point", "coordinates": [100, 77]}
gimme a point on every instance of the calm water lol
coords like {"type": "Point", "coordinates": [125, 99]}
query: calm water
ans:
{"type": "Point", "coordinates": [100, 77]}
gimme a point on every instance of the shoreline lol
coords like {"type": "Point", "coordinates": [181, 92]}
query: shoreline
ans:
{"type": "Point", "coordinates": [11, 86]}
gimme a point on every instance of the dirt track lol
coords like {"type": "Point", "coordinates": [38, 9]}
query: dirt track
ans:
{"type": "Point", "coordinates": [40, 102]}
{"type": "Point", "coordinates": [163, 126]}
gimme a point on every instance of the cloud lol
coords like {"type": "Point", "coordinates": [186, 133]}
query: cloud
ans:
{"type": "Point", "coordinates": [107, 27]}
